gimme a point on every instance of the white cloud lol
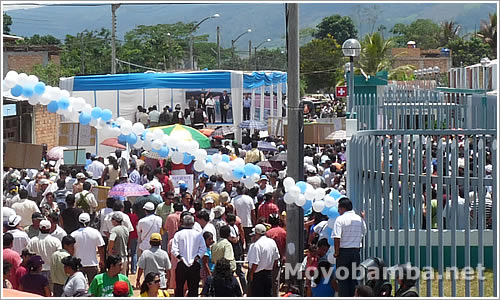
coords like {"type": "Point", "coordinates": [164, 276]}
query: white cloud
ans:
{"type": "Point", "coordinates": [8, 7]}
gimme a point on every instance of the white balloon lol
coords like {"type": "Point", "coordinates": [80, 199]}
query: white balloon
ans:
{"type": "Point", "coordinates": [11, 77]}
{"type": "Point", "coordinates": [157, 134]}
{"type": "Point", "coordinates": [248, 184]}
{"type": "Point", "coordinates": [255, 177]}
{"type": "Point", "coordinates": [93, 122]}
{"type": "Point", "coordinates": [222, 167]}
{"type": "Point", "coordinates": [126, 128]}
{"type": "Point", "coordinates": [240, 162]}
{"type": "Point", "coordinates": [210, 169]}
{"type": "Point", "coordinates": [329, 201]}
{"type": "Point", "coordinates": [288, 183]}
{"type": "Point", "coordinates": [165, 139]}
{"type": "Point", "coordinates": [227, 175]}
{"type": "Point", "coordinates": [22, 79]}
{"type": "Point", "coordinates": [193, 146]}
{"type": "Point", "coordinates": [177, 157]}
{"type": "Point", "coordinates": [320, 193]}
{"type": "Point", "coordinates": [9, 83]}
{"type": "Point", "coordinates": [216, 158]}
{"type": "Point", "coordinates": [100, 124]}
{"type": "Point", "coordinates": [87, 108]}
{"type": "Point", "coordinates": [120, 120]}
{"type": "Point", "coordinates": [335, 203]}
{"type": "Point", "coordinates": [34, 100]}
{"type": "Point", "coordinates": [55, 93]}
{"type": "Point", "coordinates": [318, 205]}
{"type": "Point", "coordinates": [309, 186]}
{"type": "Point", "coordinates": [75, 117]}
{"type": "Point", "coordinates": [295, 191]}
{"type": "Point", "coordinates": [147, 145]}
{"type": "Point", "coordinates": [138, 144]}
{"type": "Point", "coordinates": [157, 145]}
{"type": "Point", "coordinates": [200, 154]}
{"type": "Point", "coordinates": [149, 136]}
{"type": "Point", "coordinates": [115, 131]}
{"type": "Point", "coordinates": [173, 142]}
{"type": "Point", "coordinates": [289, 198]}
{"type": "Point", "coordinates": [300, 201]}
{"type": "Point", "coordinates": [44, 99]}
{"type": "Point", "coordinates": [183, 146]}
{"type": "Point", "coordinates": [65, 94]}
{"type": "Point", "coordinates": [331, 222]}
{"type": "Point", "coordinates": [199, 165]}
{"type": "Point", "coordinates": [79, 103]}
{"type": "Point", "coordinates": [32, 80]}
{"type": "Point", "coordinates": [310, 193]}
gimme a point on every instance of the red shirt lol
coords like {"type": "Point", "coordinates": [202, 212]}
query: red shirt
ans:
{"type": "Point", "coordinates": [15, 260]}
{"type": "Point", "coordinates": [164, 182]}
{"type": "Point", "coordinates": [268, 208]}
{"type": "Point", "coordinates": [278, 234]}
{"type": "Point", "coordinates": [20, 272]}
{"type": "Point", "coordinates": [134, 219]}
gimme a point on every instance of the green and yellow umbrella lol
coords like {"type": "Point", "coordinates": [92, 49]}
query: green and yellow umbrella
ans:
{"type": "Point", "coordinates": [188, 134]}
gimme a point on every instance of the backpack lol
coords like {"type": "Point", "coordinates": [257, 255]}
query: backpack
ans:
{"type": "Point", "coordinates": [60, 197]}
{"type": "Point", "coordinates": [83, 203]}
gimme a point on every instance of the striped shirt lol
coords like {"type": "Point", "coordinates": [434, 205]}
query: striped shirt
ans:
{"type": "Point", "coordinates": [350, 229]}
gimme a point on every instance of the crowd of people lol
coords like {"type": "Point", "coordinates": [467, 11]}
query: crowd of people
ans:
{"type": "Point", "coordinates": [218, 239]}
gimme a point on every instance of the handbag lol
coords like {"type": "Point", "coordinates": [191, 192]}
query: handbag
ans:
{"type": "Point", "coordinates": [226, 106]}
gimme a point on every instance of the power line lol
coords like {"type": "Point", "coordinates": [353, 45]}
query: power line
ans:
{"type": "Point", "coordinates": [136, 65]}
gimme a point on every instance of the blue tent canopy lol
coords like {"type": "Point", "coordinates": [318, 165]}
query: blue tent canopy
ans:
{"type": "Point", "coordinates": [193, 80]}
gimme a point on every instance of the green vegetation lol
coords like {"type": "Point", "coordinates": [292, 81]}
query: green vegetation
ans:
{"type": "Point", "coordinates": [7, 21]}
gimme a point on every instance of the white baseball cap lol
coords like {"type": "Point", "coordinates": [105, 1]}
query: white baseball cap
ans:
{"type": "Point", "coordinates": [83, 218]}
{"type": "Point", "coordinates": [149, 206]}
{"type": "Point", "coordinates": [14, 220]}
{"type": "Point", "coordinates": [45, 224]}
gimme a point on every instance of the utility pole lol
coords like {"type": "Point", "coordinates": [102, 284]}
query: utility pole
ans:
{"type": "Point", "coordinates": [295, 145]}
{"type": "Point", "coordinates": [218, 47]}
{"type": "Point", "coordinates": [249, 54]}
{"type": "Point", "coordinates": [114, 7]}
{"type": "Point", "coordinates": [83, 54]}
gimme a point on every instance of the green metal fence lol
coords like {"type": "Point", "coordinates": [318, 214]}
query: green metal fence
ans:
{"type": "Point", "coordinates": [429, 197]}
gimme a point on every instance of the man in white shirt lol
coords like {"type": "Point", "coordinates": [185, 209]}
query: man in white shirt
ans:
{"type": "Point", "coordinates": [264, 187]}
{"type": "Point", "coordinates": [148, 225]}
{"type": "Point", "coordinates": [156, 181]}
{"type": "Point", "coordinates": [108, 224]}
{"type": "Point", "coordinates": [347, 234]}
{"type": "Point", "coordinates": [204, 224]}
{"type": "Point", "coordinates": [25, 208]}
{"type": "Point", "coordinates": [154, 116]}
{"type": "Point", "coordinates": [210, 106]}
{"type": "Point", "coordinates": [245, 209]}
{"type": "Point", "coordinates": [189, 247]}
{"type": "Point", "coordinates": [44, 245]}
{"type": "Point", "coordinates": [88, 240]}
{"type": "Point", "coordinates": [21, 238]}
{"type": "Point", "coordinates": [85, 199]}
{"type": "Point", "coordinates": [96, 167]}
{"type": "Point", "coordinates": [263, 257]}
{"type": "Point", "coordinates": [56, 230]}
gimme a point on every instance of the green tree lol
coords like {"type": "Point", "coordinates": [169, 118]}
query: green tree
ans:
{"type": "Point", "coordinates": [340, 28]}
{"type": "Point", "coordinates": [154, 46]}
{"type": "Point", "coordinates": [7, 21]}
{"type": "Point", "coordinates": [271, 59]}
{"type": "Point", "coordinates": [468, 52]}
{"type": "Point", "coordinates": [423, 31]}
{"type": "Point", "coordinates": [50, 73]}
{"type": "Point", "coordinates": [89, 52]}
{"type": "Point", "coordinates": [40, 40]}
{"type": "Point", "coordinates": [375, 53]}
{"type": "Point", "coordinates": [488, 33]}
{"type": "Point", "coordinates": [449, 31]}
{"type": "Point", "coordinates": [321, 64]}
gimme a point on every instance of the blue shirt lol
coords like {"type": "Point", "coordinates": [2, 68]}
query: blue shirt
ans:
{"type": "Point", "coordinates": [324, 289]}
{"type": "Point", "coordinates": [247, 102]}
{"type": "Point", "coordinates": [135, 177]}
{"type": "Point", "coordinates": [211, 265]}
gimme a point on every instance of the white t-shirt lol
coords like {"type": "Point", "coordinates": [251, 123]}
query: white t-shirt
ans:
{"type": "Point", "coordinates": [210, 228]}
{"type": "Point", "coordinates": [87, 241]}
{"type": "Point", "coordinates": [102, 215]}
{"type": "Point", "coordinates": [154, 116]}
{"type": "Point", "coordinates": [320, 229]}
{"type": "Point", "coordinates": [263, 254]}
{"type": "Point", "coordinates": [90, 198]}
{"type": "Point", "coordinates": [108, 225]}
{"type": "Point", "coordinates": [197, 227]}
{"type": "Point", "coordinates": [243, 205]}
{"type": "Point", "coordinates": [157, 185]}
{"type": "Point", "coordinates": [44, 245]}
{"type": "Point", "coordinates": [59, 233]}
{"type": "Point", "coordinates": [25, 208]}
{"type": "Point", "coordinates": [96, 167]}
{"type": "Point", "coordinates": [268, 189]}
{"type": "Point", "coordinates": [148, 225]}
{"type": "Point", "coordinates": [350, 228]}
{"type": "Point", "coordinates": [21, 240]}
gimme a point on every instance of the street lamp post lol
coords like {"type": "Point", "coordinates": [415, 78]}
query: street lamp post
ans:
{"type": "Point", "coordinates": [255, 50]}
{"type": "Point", "coordinates": [436, 75]}
{"type": "Point", "coordinates": [484, 63]}
{"type": "Point", "coordinates": [351, 48]}
{"type": "Point", "coordinates": [191, 39]}
{"type": "Point", "coordinates": [237, 38]}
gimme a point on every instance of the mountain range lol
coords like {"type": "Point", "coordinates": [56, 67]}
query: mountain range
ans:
{"type": "Point", "coordinates": [267, 20]}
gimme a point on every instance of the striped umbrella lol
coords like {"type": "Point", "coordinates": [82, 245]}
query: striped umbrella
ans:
{"type": "Point", "coordinates": [128, 190]}
{"type": "Point", "coordinates": [189, 133]}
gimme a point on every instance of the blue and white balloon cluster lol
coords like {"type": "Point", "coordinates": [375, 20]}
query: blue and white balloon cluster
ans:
{"type": "Point", "coordinates": [306, 196]}
{"type": "Point", "coordinates": [230, 170]}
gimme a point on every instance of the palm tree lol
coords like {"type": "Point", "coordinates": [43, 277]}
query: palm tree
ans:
{"type": "Point", "coordinates": [488, 32]}
{"type": "Point", "coordinates": [375, 53]}
{"type": "Point", "coordinates": [449, 31]}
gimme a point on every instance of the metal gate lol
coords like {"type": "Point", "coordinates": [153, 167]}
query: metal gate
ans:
{"type": "Point", "coordinates": [429, 203]}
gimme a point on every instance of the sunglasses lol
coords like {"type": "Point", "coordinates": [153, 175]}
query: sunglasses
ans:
{"type": "Point", "coordinates": [156, 281]}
